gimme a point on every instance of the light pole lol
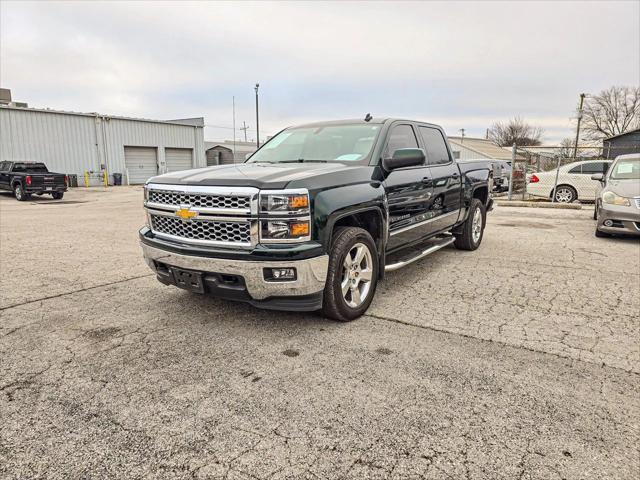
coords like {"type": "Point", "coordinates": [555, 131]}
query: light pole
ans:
{"type": "Point", "coordinates": [575, 147]}
{"type": "Point", "coordinates": [257, 122]}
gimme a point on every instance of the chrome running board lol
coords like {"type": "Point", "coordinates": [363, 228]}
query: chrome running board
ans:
{"type": "Point", "coordinates": [443, 242]}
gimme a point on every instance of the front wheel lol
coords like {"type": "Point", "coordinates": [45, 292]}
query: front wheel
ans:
{"type": "Point", "coordinates": [352, 275]}
{"type": "Point", "coordinates": [472, 230]}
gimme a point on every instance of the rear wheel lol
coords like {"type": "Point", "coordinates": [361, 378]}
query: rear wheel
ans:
{"type": "Point", "coordinates": [57, 195]}
{"type": "Point", "coordinates": [565, 194]}
{"type": "Point", "coordinates": [470, 235]}
{"type": "Point", "coordinates": [19, 193]}
{"type": "Point", "coordinates": [352, 275]}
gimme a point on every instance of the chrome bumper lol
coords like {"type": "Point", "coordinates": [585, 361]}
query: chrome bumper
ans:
{"type": "Point", "coordinates": [311, 273]}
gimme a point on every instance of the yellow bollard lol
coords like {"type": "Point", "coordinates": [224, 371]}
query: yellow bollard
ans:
{"type": "Point", "coordinates": [86, 179]}
{"type": "Point", "coordinates": [106, 178]}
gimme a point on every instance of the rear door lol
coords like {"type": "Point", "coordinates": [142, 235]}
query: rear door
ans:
{"type": "Point", "coordinates": [444, 205]}
{"type": "Point", "coordinates": [408, 191]}
{"type": "Point", "coordinates": [177, 159]}
{"type": "Point", "coordinates": [141, 163]}
{"type": "Point", "coordinates": [4, 175]}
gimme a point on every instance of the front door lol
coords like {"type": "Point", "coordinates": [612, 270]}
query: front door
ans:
{"type": "Point", "coordinates": [444, 205]}
{"type": "Point", "coordinates": [408, 192]}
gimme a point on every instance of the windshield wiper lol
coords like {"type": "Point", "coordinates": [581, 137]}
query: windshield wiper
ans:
{"type": "Point", "coordinates": [303, 160]}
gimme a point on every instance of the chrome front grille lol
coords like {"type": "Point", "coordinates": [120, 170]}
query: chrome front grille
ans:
{"type": "Point", "coordinates": [205, 231]}
{"type": "Point", "coordinates": [637, 200]}
{"type": "Point", "coordinates": [203, 215]}
{"type": "Point", "coordinates": [163, 197]}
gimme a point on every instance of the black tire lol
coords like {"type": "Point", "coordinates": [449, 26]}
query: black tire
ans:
{"type": "Point", "coordinates": [334, 304]}
{"type": "Point", "coordinates": [57, 195]}
{"type": "Point", "coordinates": [19, 193]}
{"type": "Point", "coordinates": [595, 211]}
{"type": "Point", "coordinates": [465, 238]}
{"type": "Point", "coordinates": [571, 192]}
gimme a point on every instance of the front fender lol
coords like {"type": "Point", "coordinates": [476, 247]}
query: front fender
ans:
{"type": "Point", "coordinates": [336, 203]}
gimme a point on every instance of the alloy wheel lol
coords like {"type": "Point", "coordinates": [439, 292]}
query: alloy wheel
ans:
{"type": "Point", "coordinates": [357, 273]}
{"type": "Point", "coordinates": [476, 225]}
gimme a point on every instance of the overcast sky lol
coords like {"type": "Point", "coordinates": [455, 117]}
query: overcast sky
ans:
{"type": "Point", "coordinates": [459, 64]}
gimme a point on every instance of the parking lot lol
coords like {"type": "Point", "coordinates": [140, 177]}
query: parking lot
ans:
{"type": "Point", "coordinates": [519, 360]}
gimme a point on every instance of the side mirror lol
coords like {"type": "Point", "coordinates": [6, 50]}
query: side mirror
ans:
{"type": "Point", "coordinates": [598, 176]}
{"type": "Point", "coordinates": [404, 157]}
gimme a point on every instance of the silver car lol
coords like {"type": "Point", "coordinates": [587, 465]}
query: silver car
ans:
{"type": "Point", "coordinates": [617, 207]}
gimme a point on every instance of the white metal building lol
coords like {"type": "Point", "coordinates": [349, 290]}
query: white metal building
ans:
{"type": "Point", "coordinates": [469, 148]}
{"type": "Point", "coordinates": [72, 143]}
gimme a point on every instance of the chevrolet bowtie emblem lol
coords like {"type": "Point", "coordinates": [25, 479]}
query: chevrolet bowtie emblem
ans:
{"type": "Point", "coordinates": [186, 214]}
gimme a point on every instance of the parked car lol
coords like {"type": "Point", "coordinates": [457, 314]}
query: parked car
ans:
{"type": "Point", "coordinates": [313, 219]}
{"type": "Point", "coordinates": [27, 178]}
{"type": "Point", "coordinates": [617, 203]}
{"type": "Point", "coordinates": [574, 181]}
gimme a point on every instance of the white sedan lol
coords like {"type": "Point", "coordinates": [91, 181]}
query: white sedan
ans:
{"type": "Point", "coordinates": [574, 181]}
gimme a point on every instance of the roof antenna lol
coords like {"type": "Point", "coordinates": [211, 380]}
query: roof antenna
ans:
{"type": "Point", "coordinates": [368, 117]}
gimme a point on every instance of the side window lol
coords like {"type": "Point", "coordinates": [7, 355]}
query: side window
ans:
{"type": "Point", "coordinates": [594, 167]}
{"type": "Point", "coordinates": [437, 152]}
{"type": "Point", "coordinates": [401, 136]}
{"type": "Point", "coordinates": [4, 166]}
{"type": "Point", "coordinates": [577, 169]}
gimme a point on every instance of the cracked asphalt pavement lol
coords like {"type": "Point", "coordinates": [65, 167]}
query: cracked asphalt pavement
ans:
{"type": "Point", "coordinates": [520, 360]}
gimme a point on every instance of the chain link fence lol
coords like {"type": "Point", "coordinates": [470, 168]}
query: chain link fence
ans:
{"type": "Point", "coordinates": [555, 173]}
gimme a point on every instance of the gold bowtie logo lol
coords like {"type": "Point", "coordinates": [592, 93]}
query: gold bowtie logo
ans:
{"type": "Point", "coordinates": [186, 214]}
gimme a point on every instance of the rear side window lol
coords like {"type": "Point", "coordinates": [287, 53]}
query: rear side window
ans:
{"type": "Point", "coordinates": [4, 166]}
{"type": "Point", "coordinates": [437, 152]}
{"type": "Point", "coordinates": [595, 167]}
{"type": "Point", "coordinates": [30, 168]}
{"type": "Point", "coordinates": [577, 169]}
{"type": "Point", "coordinates": [402, 136]}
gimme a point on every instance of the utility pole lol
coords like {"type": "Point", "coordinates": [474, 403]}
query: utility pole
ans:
{"type": "Point", "coordinates": [575, 148]}
{"type": "Point", "coordinates": [244, 127]}
{"type": "Point", "coordinates": [257, 122]}
{"type": "Point", "coordinates": [462, 133]}
{"type": "Point", "coordinates": [234, 129]}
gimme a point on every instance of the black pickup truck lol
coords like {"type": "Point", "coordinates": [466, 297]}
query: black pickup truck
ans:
{"type": "Point", "coordinates": [313, 219]}
{"type": "Point", "coordinates": [27, 178]}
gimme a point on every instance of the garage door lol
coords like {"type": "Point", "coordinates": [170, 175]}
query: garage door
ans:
{"type": "Point", "coordinates": [178, 159]}
{"type": "Point", "coordinates": [141, 163]}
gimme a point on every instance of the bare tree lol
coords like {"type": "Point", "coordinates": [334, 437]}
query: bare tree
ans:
{"type": "Point", "coordinates": [515, 131]}
{"type": "Point", "coordinates": [611, 112]}
{"type": "Point", "coordinates": [566, 148]}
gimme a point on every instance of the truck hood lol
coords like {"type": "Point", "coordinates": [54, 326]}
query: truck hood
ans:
{"type": "Point", "coordinates": [259, 175]}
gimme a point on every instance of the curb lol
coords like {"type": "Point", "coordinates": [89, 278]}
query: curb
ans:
{"type": "Point", "coordinates": [518, 203]}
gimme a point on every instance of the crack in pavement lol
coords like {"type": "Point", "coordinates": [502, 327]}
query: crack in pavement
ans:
{"type": "Point", "coordinates": [75, 291]}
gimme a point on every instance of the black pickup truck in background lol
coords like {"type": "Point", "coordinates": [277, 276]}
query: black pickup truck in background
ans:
{"type": "Point", "coordinates": [27, 178]}
{"type": "Point", "coordinates": [313, 219]}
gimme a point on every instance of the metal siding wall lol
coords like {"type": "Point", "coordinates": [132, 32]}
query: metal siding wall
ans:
{"type": "Point", "coordinates": [465, 153]}
{"type": "Point", "coordinates": [67, 142]}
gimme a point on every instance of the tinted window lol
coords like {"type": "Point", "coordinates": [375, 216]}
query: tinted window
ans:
{"type": "Point", "coordinates": [401, 136]}
{"type": "Point", "coordinates": [577, 169]}
{"type": "Point", "coordinates": [4, 166]}
{"type": "Point", "coordinates": [30, 168]}
{"type": "Point", "coordinates": [595, 167]}
{"type": "Point", "coordinates": [436, 147]}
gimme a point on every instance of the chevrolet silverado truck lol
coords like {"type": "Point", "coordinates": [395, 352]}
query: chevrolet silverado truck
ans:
{"type": "Point", "coordinates": [316, 216]}
{"type": "Point", "coordinates": [27, 178]}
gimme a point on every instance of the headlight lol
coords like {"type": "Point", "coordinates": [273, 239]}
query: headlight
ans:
{"type": "Point", "coordinates": [284, 216]}
{"type": "Point", "coordinates": [613, 199]}
{"type": "Point", "coordinates": [285, 230]}
{"type": "Point", "coordinates": [284, 201]}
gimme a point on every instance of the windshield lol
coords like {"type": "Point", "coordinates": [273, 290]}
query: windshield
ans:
{"type": "Point", "coordinates": [30, 168]}
{"type": "Point", "coordinates": [329, 143]}
{"type": "Point", "coordinates": [626, 169]}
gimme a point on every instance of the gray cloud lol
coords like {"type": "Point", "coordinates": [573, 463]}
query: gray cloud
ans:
{"type": "Point", "coordinates": [462, 64]}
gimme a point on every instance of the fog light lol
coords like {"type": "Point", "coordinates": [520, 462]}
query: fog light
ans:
{"type": "Point", "coordinates": [279, 274]}
{"type": "Point", "coordinates": [608, 223]}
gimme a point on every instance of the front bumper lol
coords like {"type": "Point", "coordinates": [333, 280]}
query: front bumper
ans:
{"type": "Point", "coordinates": [625, 220]}
{"type": "Point", "coordinates": [250, 285]}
